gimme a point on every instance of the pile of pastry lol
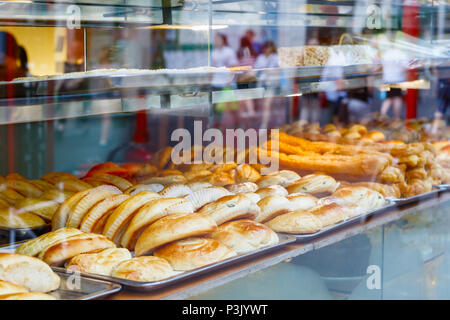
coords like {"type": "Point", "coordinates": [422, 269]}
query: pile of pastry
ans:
{"type": "Point", "coordinates": [26, 278]}
{"type": "Point", "coordinates": [179, 222]}
{"type": "Point", "coordinates": [325, 55]}
{"type": "Point", "coordinates": [412, 168]}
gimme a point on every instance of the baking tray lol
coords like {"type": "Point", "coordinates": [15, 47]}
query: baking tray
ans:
{"type": "Point", "coordinates": [182, 276]}
{"type": "Point", "coordinates": [312, 236]}
{"type": "Point", "coordinates": [417, 198]}
{"type": "Point", "coordinates": [14, 235]}
{"type": "Point", "coordinates": [70, 289]}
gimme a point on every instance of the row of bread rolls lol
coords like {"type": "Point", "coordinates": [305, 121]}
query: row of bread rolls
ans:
{"type": "Point", "coordinates": [26, 278]}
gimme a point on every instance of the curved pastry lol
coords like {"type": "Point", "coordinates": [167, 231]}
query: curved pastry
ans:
{"type": "Point", "coordinates": [271, 207]}
{"type": "Point", "coordinates": [100, 262]}
{"type": "Point", "coordinates": [143, 269]}
{"type": "Point", "coordinates": [275, 190]}
{"type": "Point", "coordinates": [314, 183]}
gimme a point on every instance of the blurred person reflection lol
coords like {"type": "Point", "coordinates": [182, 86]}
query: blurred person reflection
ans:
{"type": "Point", "coordinates": [395, 63]}
{"type": "Point", "coordinates": [358, 104]}
{"type": "Point", "coordinates": [224, 56]}
{"type": "Point", "coordinates": [269, 78]}
{"type": "Point", "coordinates": [9, 57]}
{"type": "Point", "coordinates": [443, 95]}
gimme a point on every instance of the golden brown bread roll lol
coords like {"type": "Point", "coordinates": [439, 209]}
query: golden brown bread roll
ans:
{"type": "Point", "coordinates": [92, 220]}
{"type": "Point", "coordinates": [385, 189]}
{"type": "Point", "coordinates": [100, 262]}
{"type": "Point", "coordinates": [242, 187]}
{"type": "Point", "coordinates": [166, 181]}
{"type": "Point", "coordinates": [217, 179]}
{"type": "Point", "coordinates": [11, 218]}
{"type": "Point", "coordinates": [109, 179]}
{"type": "Point", "coordinates": [134, 190]}
{"type": "Point", "coordinates": [231, 207]}
{"type": "Point", "coordinates": [34, 246]}
{"type": "Point", "coordinates": [296, 222]}
{"type": "Point", "coordinates": [60, 217]}
{"type": "Point", "coordinates": [28, 272]}
{"type": "Point", "coordinates": [43, 208]}
{"type": "Point", "coordinates": [143, 269]}
{"type": "Point", "coordinates": [376, 136]}
{"type": "Point", "coordinates": [365, 198]}
{"type": "Point", "coordinates": [300, 201]}
{"type": "Point", "coordinates": [274, 190]}
{"type": "Point", "coordinates": [162, 157]}
{"type": "Point", "coordinates": [246, 173]}
{"type": "Point", "coordinates": [124, 212]}
{"type": "Point", "coordinates": [207, 195]}
{"type": "Point", "coordinates": [171, 228]}
{"type": "Point", "coordinates": [27, 296]}
{"type": "Point", "coordinates": [195, 174]}
{"type": "Point", "coordinates": [192, 253]}
{"type": "Point", "coordinates": [54, 177]}
{"type": "Point", "coordinates": [314, 184]}
{"type": "Point", "coordinates": [271, 207]}
{"type": "Point", "coordinates": [267, 181]}
{"type": "Point", "coordinates": [245, 235]}
{"type": "Point", "coordinates": [149, 213]}
{"type": "Point", "coordinates": [57, 254]}
{"type": "Point", "coordinates": [289, 175]}
{"type": "Point", "coordinates": [175, 191]}
{"type": "Point", "coordinates": [7, 287]}
{"type": "Point", "coordinates": [196, 186]}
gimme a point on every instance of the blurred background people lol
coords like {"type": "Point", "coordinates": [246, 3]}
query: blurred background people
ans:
{"type": "Point", "coordinates": [395, 63]}
{"type": "Point", "coordinates": [270, 79]}
{"type": "Point", "coordinates": [10, 67]}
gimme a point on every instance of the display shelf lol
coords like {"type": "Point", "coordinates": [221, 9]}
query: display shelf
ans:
{"type": "Point", "coordinates": [124, 91]}
{"type": "Point", "coordinates": [210, 281]}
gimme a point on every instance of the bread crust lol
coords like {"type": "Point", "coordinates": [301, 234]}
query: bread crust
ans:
{"type": "Point", "coordinates": [100, 262]}
{"type": "Point", "coordinates": [143, 269]}
{"type": "Point", "coordinates": [171, 228]}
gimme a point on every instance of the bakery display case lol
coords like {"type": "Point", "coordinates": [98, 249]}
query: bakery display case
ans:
{"type": "Point", "coordinates": [223, 149]}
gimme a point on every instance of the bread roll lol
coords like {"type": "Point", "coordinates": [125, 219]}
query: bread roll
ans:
{"type": "Point", "coordinates": [146, 215]}
{"type": "Point", "coordinates": [196, 186]}
{"type": "Point", "coordinates": [274, 190]}
{"type": "Point", "coordinates": [271, 180]}
{"type": "Point", "coordinates": [314, 183]}
{"type": "Point", "coordinates": [175, 191]}
{"type": "Point", "coordinates": [134, 190]}
{"type": "Point", "coordinates": [289, 175]}
{"type": "Point", "coordinates": [143, 269]}
{"type": "Point", "coordinates": [254, 197]}
{"type": "Point", "coordinates": [300, 201]}
{"type": "Point", "coordinates": [330, 214]}
{"type": "Point", "coordinates": [34, 246]}
{"type": "Point", "coordinates": [27, 296]}
{"type": "Point", "coordinates": [204, 196]}
{"type": "Point", "coordinates": [243, 187]}
{"type": "Point", "coordinates": [296, 222]}
{"type": "Point", "coordinates": [162, 157]}
{"type": "Point", "coordinates": [171, 228]}
{"type": "Point", "coordinates": [64, 250]}
{"type": "Point", "coordinates": [231, 207]}
{"type": "Point", "coordinates": [10, 218]}
{"type": "Point", "coordinates": [246, 173]}
{"type": "Point", "coordinates": [28, 272]}
{"type": "Point", "coordinates": [192, 253]}
{"type": "Point", "coordinates": [271, 207]}
{"type": "Point", "coordinates": [10, 288]}
{"type": "Point", "coordinates": [124, 212]}
{"type": "Point", "coordinates": [168, 180]}
{"type": "Point", "coordinates": [364, 197]}
{"type": "Point", "coordinates": [245, 235]}
{"type": "Point", "coordinates": [100, 262]}
{"type": "Point", "coordinates": [195, 174]}
{"type": "Point", "coordinates": [43, 208]}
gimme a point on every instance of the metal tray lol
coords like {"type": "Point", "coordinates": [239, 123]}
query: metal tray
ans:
{"type": "Point", "coordinates": [417, 198]}
{"type": "Point", "coordinates": [182, 276]}
{"type": "Point", "coordinates": [84, 289]}
{"type": "Point", "coordinates": [72, 289]}
{"type": "Point", "coordinates": [312, 236]}
{"type": "Point", "coordinates": [14, 235]}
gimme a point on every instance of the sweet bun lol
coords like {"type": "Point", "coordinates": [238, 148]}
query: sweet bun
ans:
{"type": "Point", "coordinates": [246, 173]}
{"type": "Point", "coordinates": [364, 197]}
{"type": "Point", "coordinates": [192, 253]}
{"type": "Point", "coordinates": [143, 269]}
{"type": "Point", "coordinates": [99, 263]}
{"type": "Point", "coordinates": [175, 191]}
{"type": "Point", "coordinates": [332, 213]}
{"type": "Point", "coordinates": [7, 287]}
{"type": "Point", "coordinates": [314, 184]}
{"type": "Point", "coordinates": [289, 175]}
{"type": "Point", "coordinates": [376, 136]}
{"type": "Point", "coordinates": [34, 246]}
{"type": "Point", "coordinates": [245, 235]}
{"type": "Point", "coordinates": [266, 181]}
{"type": "Point", "coordinates": [167, 180]}
{"type": "Point", "coordinates": [162, 157]}
{"type": "Point", "coordinates": [27, 296]}
{"type": "Point", "coordinates": [64, 250]}
{"type": "Point", "coordinates": [28, 272]}
{"type": "Point", "coordinates": [300, 201]}
{"type": "Point", "coordinates": [242, 187]}
{"type": "Point", "coordinates": [252, 196]}
{"type": "Point", "coordinates": [171, 228]}
{"type": "Point", "coordinates": [274, 190]}
{"type": "Point", "coordinates": [296, 222]}
{"type": "Point", "coordinates": [149, 213]}
{"type": "Point", "coordinates": [10, 218]}
{"type": "Point", "coordinates": [155, 187]}
{"type": "Point", "coordinates": [231, 207]}
{"type": "Point", "coordinates": [203, 196]}
{"type": "Point", "coordinates": [271, 207]}
{"type": "Point", "coordinates": [196, 186]}
{"type": "Point", "coordinates": [196, 174]}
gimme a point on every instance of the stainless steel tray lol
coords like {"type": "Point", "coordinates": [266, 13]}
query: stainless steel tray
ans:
{"type": "Point", "coordinates": [182, 276]}
{"type": "Point", "coordinates": [14, 235]}
{"type": "Point", "coordinates": [417, 198]}
{"type": "Point", "coordinates": [361, 218]}
{"type": "Point", "coordinates": [73, 288]}
{"type": "Point", "coordinates": [84, 289]}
